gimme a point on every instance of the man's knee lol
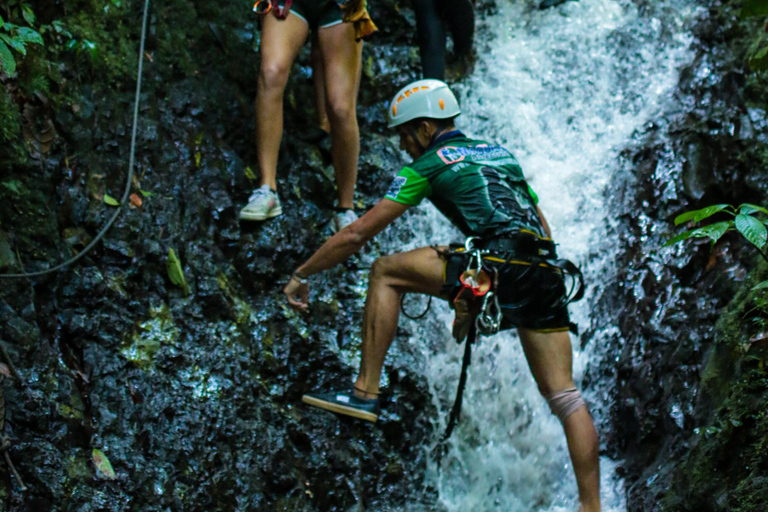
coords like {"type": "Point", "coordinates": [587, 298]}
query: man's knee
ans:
{"type": "Point", "coordinates": [566, 402]}
{"type": "Point", "coordinates": [380, 269]}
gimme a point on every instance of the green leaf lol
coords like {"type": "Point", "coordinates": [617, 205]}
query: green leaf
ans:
{"type": "Point", "coordinates": [175, 272]}
{"type": "Point", "coordinates": [717, 230]}
{"type": "Point", "coordinates": [713, 232]}
{"type": "Point", "coordinates": [145, 193]}
{"type": "Point", "coordinates": [103, 465]}
{"type": "Point", "coordinates": [699, 215]}
{"type": "Point", "coordinates": [755, 8]}
{"type": "Point", "coordinates": [249, 173]}
{"type": "Point", "coordinates": [747, 209]}
{"type": "Point", "coordinates": [28, 14]}
{"type": "Point", "coordinates": [111, 201]}
{"type": "Point", "coordinates": [14, 43]}
{"type": "Point", "coordinates": [7, 62]}
{"type": "Point", "coordinates": [14, 186]}
{"type": "Point", "coordinates": [760, 286]}
{"type": "Point", "coordinates": [2, 22]}
{"type": "Point", "coordinates": [752, 229]}
{"type": "Point", "coordinates": [30, 36]}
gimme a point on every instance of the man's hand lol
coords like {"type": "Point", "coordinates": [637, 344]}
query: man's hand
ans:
{"type": "Point", "coordinates": [297, 294]}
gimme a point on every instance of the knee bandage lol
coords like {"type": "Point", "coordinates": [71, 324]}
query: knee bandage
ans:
{"type": "Point", "coordinates": [566, 402]}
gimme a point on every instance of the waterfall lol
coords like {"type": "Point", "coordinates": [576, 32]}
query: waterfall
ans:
{"type": "Point", "coordinates": [565, 90]}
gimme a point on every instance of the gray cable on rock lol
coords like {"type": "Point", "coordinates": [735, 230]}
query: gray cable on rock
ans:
{"type": "Point", "coordinates": [130, 168]}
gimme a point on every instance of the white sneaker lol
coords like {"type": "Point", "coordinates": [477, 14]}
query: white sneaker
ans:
{"type": "Point", "coordinates": [343, 219]}
{"type": "Point", "coordinates": [263, 204]}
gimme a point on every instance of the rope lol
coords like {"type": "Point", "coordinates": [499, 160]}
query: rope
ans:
{"type": "Point", "coordinates": [456, 410]}
{"type": "Point", "coordinates": [418, 317]}
{"type": "Point", "coordinates": [119, 210]}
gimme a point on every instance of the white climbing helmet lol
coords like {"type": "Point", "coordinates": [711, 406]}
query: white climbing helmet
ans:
{"type": "Point", "coordinates": [429, 98]}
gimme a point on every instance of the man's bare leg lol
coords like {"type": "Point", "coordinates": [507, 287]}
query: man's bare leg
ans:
{"type": "Point", "coordinates": [418, 271]}
{"type": "Point", "coordinates": [342, 62]}
{"type": "Point", "coordinates": [281, 41]}
{"type": "Point", "coordinates": [550, 359]}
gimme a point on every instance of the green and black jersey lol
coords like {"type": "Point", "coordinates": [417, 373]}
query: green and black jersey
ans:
{"type": "Point", "coordinates": [478, 186]}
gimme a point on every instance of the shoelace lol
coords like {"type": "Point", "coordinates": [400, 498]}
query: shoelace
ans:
{"type": "Point", "coordinates": [256, 193]}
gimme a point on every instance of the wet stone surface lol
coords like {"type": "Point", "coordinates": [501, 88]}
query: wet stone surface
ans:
{"type": "Point", "coordinates": [196, 398]}
{"type": "Point", "coordinates": [669, 300]}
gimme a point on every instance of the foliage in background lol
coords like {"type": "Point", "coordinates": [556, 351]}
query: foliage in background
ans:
{"type": "Point", "coordinates": [16, 37]}
{"type": "Point", "coordinates": [757, 54]}
{"type": "Point", "coordinates": [748, 219]}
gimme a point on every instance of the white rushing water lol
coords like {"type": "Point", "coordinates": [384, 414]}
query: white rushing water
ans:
{"type": "Point", "coordinates": [565, 90]}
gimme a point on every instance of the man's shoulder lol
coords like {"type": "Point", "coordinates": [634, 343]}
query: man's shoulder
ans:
{"type": "Point", "coordinates": [446, 154]}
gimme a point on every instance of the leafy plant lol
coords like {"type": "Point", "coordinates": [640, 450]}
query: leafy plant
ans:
{"type": "Point", "coordinates": [757, 55]}
{"type": "Point", "coordinates": [748, 219]}
{"type": "Point", "coordinates": [175, 272]}
{"type": "Point", "coordinates": [15, 37]}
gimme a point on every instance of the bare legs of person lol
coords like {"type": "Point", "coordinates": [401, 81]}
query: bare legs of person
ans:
{"type": "Point", "coordinates": [342, 63]}
{"type": "Point", "coordinates": [281, 41]}
{"type": "Point", "coordinates": [419, 271]}
{"type": "Point", "coordinates": [549, 354]}
{"type": "Point", "coordinates": [550, 360]}
{"type": "Point", "coordinates": [341, 57]}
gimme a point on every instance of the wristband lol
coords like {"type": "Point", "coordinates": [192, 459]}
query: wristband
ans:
{"type": "Point", "coordinates": [299, 278]}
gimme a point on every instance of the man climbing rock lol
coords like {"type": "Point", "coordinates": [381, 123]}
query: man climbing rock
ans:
{"type": "Point", "coordinates": [509, 257]}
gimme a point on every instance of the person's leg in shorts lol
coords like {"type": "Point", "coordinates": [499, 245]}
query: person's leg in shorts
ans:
{"type": "Point", "coordinates": [549, 358]}
{"type": "Point", "coordinates": [418, 271]}
{"type": "Point", "coordinates": [342, 63]}
{"type": "Point", "coordinates": [281, 41]}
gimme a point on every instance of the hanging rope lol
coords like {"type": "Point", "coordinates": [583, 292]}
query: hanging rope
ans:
{"type": "Point", "coordinates": [466, 361]}
{"type": "Point", "coordinates": [417, 317]}
{"type": "Point", "coordinates": [128, 182]}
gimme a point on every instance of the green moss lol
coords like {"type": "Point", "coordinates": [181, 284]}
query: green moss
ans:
{"type": "Point", "coordinates": [728, 461]}
{"type": "Point", "coordinates": [10, 118]}
{"type": "Point", "coordinates": [149, 336]}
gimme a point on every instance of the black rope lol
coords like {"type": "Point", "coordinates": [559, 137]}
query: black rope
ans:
{"type": "Point", "coordinates": [456, 410]}
{"type": "Point", "coordinates": [419, 317]}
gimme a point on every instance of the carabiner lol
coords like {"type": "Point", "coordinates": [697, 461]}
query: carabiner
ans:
{"type": "Point", "coordinates": [263, 11]}
{"type": "Point", "coordinates": [489, 320]}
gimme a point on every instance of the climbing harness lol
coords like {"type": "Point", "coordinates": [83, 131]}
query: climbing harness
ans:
{"type": "Point", "coordinates": [477, 307]}
{"type": "Point", "coordinates": [129, 179]}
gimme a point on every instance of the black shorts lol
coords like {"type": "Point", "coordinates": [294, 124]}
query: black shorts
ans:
{"type": "Point", "coordinates": [532, 296]}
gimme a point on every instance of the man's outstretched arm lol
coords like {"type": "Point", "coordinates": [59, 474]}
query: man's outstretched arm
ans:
{"type": "Point", "coordinates": [341, 246]}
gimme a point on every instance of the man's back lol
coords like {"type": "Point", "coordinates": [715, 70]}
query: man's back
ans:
{"type": "Point", "coordinates": [478, 186]}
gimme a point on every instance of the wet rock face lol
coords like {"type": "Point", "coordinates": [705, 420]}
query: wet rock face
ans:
{"type": "Point", "coordinates": [668, 301]}
{"type": "Point", "coordinates": [194, 395]}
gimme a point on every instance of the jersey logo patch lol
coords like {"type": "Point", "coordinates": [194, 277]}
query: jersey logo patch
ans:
{"type": "Point", "coordinates": [450, 155]}
{"type": "Point", "coordinates": [394, 188]}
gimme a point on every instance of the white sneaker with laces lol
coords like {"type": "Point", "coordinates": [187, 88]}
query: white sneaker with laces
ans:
{"type": "Point", "coordinates": [263, 204]}
{"type": "Point", "coordinates": [343, 219]}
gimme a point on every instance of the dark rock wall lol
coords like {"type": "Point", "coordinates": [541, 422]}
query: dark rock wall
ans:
{"type": "Point", "coordinates": [192, 397]}
{"type": "Point", "coordinates": [713, 149]}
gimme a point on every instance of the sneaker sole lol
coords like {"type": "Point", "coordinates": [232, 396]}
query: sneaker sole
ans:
{"type": "Point", "coordinates": [341, 409]}
{"type": "Point", "coordinates": [255, 216]}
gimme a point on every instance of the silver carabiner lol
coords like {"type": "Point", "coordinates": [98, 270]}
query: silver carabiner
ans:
{"type": "Point", "coordinates": [489, 320]}
{"type": "Point", "coordinates": [473, 252]}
